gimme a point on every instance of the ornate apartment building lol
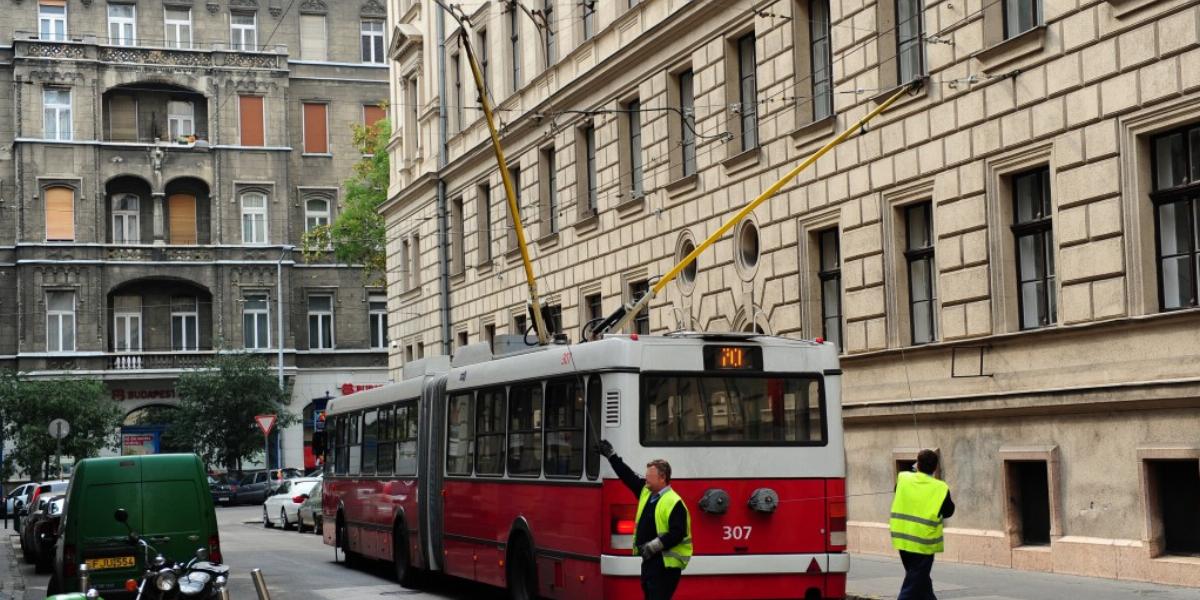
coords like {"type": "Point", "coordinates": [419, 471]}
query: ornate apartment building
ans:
{"type": "Point", "coordinates": [158, 160]}
{"type": "Point", "coordinates": [1007, 257]}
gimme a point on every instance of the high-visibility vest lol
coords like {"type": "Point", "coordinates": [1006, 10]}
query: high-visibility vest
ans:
{"type": "Point", "coordinates": [915, 522]}
{"type": "Point", "coordinates": [676, 557]}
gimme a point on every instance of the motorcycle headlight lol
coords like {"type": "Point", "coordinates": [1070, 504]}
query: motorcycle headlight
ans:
{"type": "Point", "coordinates": [165, 581]}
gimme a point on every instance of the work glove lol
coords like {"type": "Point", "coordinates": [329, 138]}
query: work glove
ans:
{"type": "Point", "coordinates": [651, 548]}
{"type": "Point", "coordinates": [605, 449]}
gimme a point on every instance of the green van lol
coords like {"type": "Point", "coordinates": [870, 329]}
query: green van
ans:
{"type": "Point", "coordinates": [168, 502]}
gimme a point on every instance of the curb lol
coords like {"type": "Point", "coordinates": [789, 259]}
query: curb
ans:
{"type": "Point", "coordinates": [853, 596]}
{"type": "Point", "coordinates": [15, 586]}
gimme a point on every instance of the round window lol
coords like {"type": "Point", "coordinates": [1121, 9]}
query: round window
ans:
{"type": "Point", "coordinates": [688, 275]}
{"type": "Point", "coordinates": [748, 247]}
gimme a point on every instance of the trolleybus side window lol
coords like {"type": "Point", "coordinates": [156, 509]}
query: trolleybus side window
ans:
{"type": "Point", "coordinates": [459, 435]}
{"type": "Point", "coordinates": [370, 441]}
{"type": "Point", "coordinates": [406, 438]}
{"type": "Point", "coordinates": [342, 457]}
{"type": "Point", "coordinates": [525, 430]}
{"type": "Point", "coordinates": [386, 463]}
{"type": "Point", "coordinates": [595, 397]}
{"type": "Point", "coordinates": [489, 432]}
{"type": "Point", "coordinates": [353, 441]}
{"type": "Point", "coordinates": [564, 428]}
{"type": "Point", "coordinates": [760, 410]}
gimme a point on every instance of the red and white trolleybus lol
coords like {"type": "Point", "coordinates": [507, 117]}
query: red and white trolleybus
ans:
{"type": "Point", "coordinates": [485, 469]}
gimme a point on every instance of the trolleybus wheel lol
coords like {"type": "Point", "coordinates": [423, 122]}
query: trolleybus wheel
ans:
{"type": "Point", "coordinates": [522, 571]}
{"type": "Point", "coordinates": [343, 542]}
{"type": "Point", "coordinates": [404, 572]}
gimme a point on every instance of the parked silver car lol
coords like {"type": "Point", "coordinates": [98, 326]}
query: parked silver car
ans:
{"type": "Point", "coordinates": [310, 511]}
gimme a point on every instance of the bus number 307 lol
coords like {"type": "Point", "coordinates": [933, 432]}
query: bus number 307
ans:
{"type": "Point", "coordinates": [737, 533]}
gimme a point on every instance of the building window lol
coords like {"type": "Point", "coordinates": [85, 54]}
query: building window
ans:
{"type": "Point", "coordinates": [520, 324]}
{"type": "Point", "coordinates": [821, 59]}
{"type": "Point", "coordinates": [313, 44]}
{"type": "Point", "coordinates": [60, 321]}
{"type": "Point", "coordinates": [549, 33]}
{"type": "Point", "coordinates": [456, 122]}
{"type": "Point", "coordinates": [589, 190]}
{"type": "Point", "coordinates": [405, 269]}
{"type": "Point", "coordinates": [181, 219]}
{"type": "Point", "coordinates": [483, 204]}
{"type": "Point", "coordinates": [1027, 483]}
{"type": "Point", "coordinates": [633, 151]}
{"type": "Point", "coordinates": [416, 260]}
{"type": "Point", "coordinates": [52, 20]}
{"type": "Point", "coordinates": [412, 111]}
{"type": "Point", "coordinates": [127, 324]}
{"type": "Point", "coordinates": [1176, 199]}
{"type": "Point", "coordinates": [748, 91]}
{"type": "Point", "coordinates": [461, 340]}
{"type": "Point", "coordinates": [1020, 16]}
{"type": "Point", "coordinates": [641, 323]}
{"type": "Point", "coordinates": [316, 128]}
{"type": "Point", "coordinates": [377, 320]}
{"type": "Point", "coordinates": [254, 218]}
{"type": "Point", "coordinates": [489, 336]}
{"type": "Point", "coordinates": [252, 120]}
{"type": "Point", "coordinates": [185, 323]}
{"type": "Point", "coordinates": [594, 307]}
{"type": "Point", "coordinates": [514, 49]}
{"type": "Point", "coordinates": [1034, 239]}
{"type": "Point", "coordinates": [549, 179]}
{"type": "Point", "coordinates": [482, 52]}
{"type": "Point", "coordinates": [178, 27]}
{"type": "Point", "coordinates": [60, 213]}
{"type": "Point", "coordinates": [458, 251]}
{"type": "Point", "coordinates": [514, 175]}
{"type": "Point", "coordinates": [122, 24]}
{"type": "Point", "coordinates": [687, 105]}
{"type": "Point", "coordinates": [181, 119]}
{"type": "Point", "coordinates": [589, 18]}
{"type": "Point", "coordinates": [1174, 492]}
{"type": "Point", "coordinates": [830, 275]}
{"type": "Point", "coordinates": [243, 31]}
{"type": "Point", "coordinates": [553, 318]}
{"type": "Point", "coordinates": [918, 253]}
{"type": "Point", "coordinates": [909, 26]}
{"type": "Point", "coordinates": [256, 322]}
{"type": "Point", "coordinates": [316, 213]}
{"type": "Point", "coordinates": [320, 322]}
{"type": "Point", "coordinates": [372, 41]}
{"type": "Point", "coordinates": [126, 219]}
{"type": "Point", "coordinates": [56, 113]}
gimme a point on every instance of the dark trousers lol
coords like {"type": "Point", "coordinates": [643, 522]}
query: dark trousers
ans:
{"type": "Point", "coordinates": [658, 581]}
{"type": "Point", "coordinates": [918, 585]}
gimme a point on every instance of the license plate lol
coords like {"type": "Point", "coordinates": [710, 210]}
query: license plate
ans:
{"type": "Point", "coordinates": [116, 562]}
{"type": "Point", "coordinates": [222, 498]}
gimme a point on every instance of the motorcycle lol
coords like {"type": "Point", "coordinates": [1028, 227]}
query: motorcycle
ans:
{"type": "Point", "coordinates": [197, 579]}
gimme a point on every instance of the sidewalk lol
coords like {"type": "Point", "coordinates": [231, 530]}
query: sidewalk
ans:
{"type": "Point", "coordinates": [12, 582]}
{"type": "Point", "coordinates": [877, 577]}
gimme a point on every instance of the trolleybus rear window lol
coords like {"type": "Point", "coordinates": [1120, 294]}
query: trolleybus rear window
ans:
{"type": "Point", "coordinates": [760, 410]}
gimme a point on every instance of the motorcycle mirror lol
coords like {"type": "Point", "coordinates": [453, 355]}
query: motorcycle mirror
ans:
{"type": "Point", "coordinates": [202, 554]}
{"type": "Point", "coordinates": [122, 516]}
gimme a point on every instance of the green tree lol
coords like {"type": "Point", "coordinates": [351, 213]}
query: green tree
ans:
{"type": "Point", "coordinates": [357, 234]}
{"type": "Point", "coordinates": [217, 406]}
{"type": "Point", "coordinates": [27, 407]}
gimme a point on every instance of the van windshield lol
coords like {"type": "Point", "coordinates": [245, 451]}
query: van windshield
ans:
{"type": "Point", "coordinates": [731, 410]}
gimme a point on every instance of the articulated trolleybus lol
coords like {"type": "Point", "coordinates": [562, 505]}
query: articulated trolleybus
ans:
{"type": "Point", "coordinates": [486, 468]}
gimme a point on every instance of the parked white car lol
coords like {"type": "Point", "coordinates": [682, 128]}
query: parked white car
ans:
{"type": "Point", "coordinates": [19, 494]}
{"type": "Point", "coordinates": [283, 508]}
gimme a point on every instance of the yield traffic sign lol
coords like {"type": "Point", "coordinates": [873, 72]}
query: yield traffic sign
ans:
{"type": "Point", "coordinates": [265, 423]}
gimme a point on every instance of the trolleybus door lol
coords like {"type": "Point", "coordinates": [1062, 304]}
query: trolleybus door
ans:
{"type": "Point", "coordinates": [431, 429]}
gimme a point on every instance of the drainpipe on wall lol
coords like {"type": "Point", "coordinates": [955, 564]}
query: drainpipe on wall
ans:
{"type": "Point", "coordinates": [443, 237]}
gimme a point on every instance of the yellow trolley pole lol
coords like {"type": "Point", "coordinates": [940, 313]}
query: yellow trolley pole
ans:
{"type": "Point", "coordinates": [631, 312]}
{"type": "Point", "coordinates": [543, 334]}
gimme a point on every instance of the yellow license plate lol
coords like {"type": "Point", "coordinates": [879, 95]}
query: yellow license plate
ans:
{"type": "Point", "coordinates": [116, 562]}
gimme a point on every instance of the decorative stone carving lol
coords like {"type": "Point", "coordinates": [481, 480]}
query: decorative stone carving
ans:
{"type": "Point", "coordinates": [213, 7]}
{"type": "Point", "coordinates": [252, 60]}
{"type": "Point", "coordinates": [372, 8]}
{"type": "Point", "coordinates": [156, 57]}
{"type": "Point", "coordinates": [276, 11]}
{"type": "Point", "coordinates": [315, 7]}
{"type": "Point", "coordinates": [56, 50]}
{"type": "Point", "coordinates": [87, 3]}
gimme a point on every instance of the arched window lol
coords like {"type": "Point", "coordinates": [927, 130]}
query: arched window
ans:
{"type": "Point", "coordinates": [254, 218]}
{"type": "Point", "coordinates": [125, 222]}
{"type": "Point", "coordinates": [316, 213]}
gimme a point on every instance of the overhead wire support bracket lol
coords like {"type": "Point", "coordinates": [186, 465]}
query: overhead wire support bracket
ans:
{"type": "Point", "coordinates": [625, 314]}
{"type": "Point", "coordinates": [543, 335]}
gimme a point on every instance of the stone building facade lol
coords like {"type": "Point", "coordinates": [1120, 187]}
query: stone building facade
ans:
{"type": "Point", "coordinates": [1007, 257]}
{"type": "Point", "coordinates": [158, 160]}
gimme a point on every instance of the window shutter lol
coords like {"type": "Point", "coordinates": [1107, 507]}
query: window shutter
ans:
{"type": "Point", "coordinates": [373, 114]}
{"type": "Point", "coordinates": [251, 110]}
{"type": "Point", "coordinates": [182, 212]}
{"type": "Point", "coordinates": [122, 123]}
{"type": "Point", "coordinates": [316, 135]}
{"type": "Point", "coordinates": [53, 2]}
{"type": "Point", "coordinates": [312, 38]}
{"type": "Point", "coordinates": [60, 213]}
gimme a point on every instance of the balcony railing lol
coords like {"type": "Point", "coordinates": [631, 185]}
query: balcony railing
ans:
{"type": "Point", "coordinates": [181, 359]}
{"type": "Point", "coordinates": [151, 51]}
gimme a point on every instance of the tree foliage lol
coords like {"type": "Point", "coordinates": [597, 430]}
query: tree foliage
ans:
{"type": "Point", "coordinates": [357, 234]}
{"type": "Point", "coordinates": [217, 407]}
{"type": "Point", "coordinates": [28, 405]}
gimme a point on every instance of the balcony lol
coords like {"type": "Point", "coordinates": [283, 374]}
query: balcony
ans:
{"type": "Point", "coordinates": [28, 44]}
{"type": "Point", "coordinates": [140, 361]}
{"type": "Point", "coordinates": [150, 113]}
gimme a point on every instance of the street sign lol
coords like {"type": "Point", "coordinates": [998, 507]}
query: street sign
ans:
{"type": "Point", "coordinates": [59, 428]}
{"type": "Point", "coordinates": [265, 423]}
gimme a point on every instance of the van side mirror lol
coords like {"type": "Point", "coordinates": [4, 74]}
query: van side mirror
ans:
{"type": "Point", "coordinates": [121, 515]}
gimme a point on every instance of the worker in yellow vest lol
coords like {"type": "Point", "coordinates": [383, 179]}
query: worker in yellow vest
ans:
{"type": "Point", "coordinates": [663, 526]}
{"type": "Point", "coordinates": [922, 502]}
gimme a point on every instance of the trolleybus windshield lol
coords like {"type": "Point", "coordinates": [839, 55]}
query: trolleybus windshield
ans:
{"type": "Point", "coordinates": [731, 410]}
